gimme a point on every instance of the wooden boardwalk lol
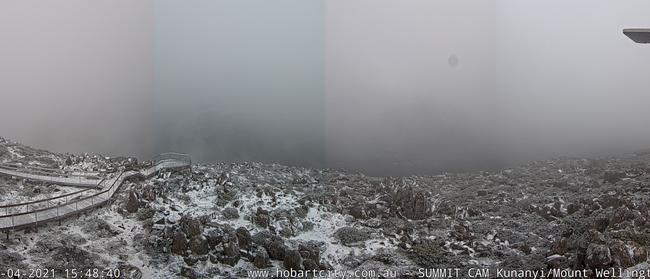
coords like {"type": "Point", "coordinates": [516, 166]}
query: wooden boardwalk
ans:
{"type": "Point", "coordinates": [22, 215]}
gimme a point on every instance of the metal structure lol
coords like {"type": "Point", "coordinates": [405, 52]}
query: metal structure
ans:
{"type": "Point", "coordinates": [57, 176]}
{"type": "Point", "coordinates": [638, 35]}
{"type": "Point", "coordinates": [34, 213]}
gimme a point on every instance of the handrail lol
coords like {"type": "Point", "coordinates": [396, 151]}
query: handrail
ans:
{"type": "Point", "coordinates": [28, 166]}
{"type": "Point", "coordinates": [48, 199]}
{"type": "Point", "coordinates": [63, 173]}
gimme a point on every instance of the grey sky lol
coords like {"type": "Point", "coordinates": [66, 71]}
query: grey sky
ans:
{"type": "Point", "coordinates": [384, 86]}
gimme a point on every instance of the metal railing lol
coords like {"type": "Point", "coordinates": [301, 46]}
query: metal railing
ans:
{"type": "Point", "coordinates": [180, 157]}
{"type": "Point", "coordinates": [31, 213]}
{"type": "Point", "coordinates": [38, 170]}
{"type": "Point", "coordinates": [75, 178]}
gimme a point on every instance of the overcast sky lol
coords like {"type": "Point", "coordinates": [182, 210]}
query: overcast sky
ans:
{"type": "Point", "coordinates": [383, 86]}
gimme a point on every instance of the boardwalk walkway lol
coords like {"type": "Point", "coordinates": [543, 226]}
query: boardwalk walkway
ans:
{"type": "Point", "coordinates": [22, 215]}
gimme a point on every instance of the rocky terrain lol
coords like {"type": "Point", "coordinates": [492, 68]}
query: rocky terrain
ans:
{"type": "Point", "coordinates": [225, 220]}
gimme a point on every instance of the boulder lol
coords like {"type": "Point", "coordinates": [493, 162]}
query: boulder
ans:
{"type": "Point", "coordinates": [191, 226]}
{"type": "Point", "coordinates": [310, 251]}
{"type": "Point", "coordinates": [231, 254]}
{"type": "Point", "coordinates": [620, 255]}
{"type": "Point", "coordinates": [639, 253]}
{"type": "Point", "coordinates": [230, 213]}
{"type": "Point", "coordinates": [276, 250]}
{"type": "Point", "coordinates": [262, 259]}
{"type": "Point", "coordinates": [133, 203]}
{"type": "Point", "coordinates": [598, 256]}
{"type": "Point", "coordinates": [199, 245]}
{"type": "Point", "coordinates": [214, 237]}
{"type": "Point", "coordinates": [244, 238]}
{"type": "Point", "coordinates": [262, 218]}
{"type": "Point", "coordinates": [179, 243]}
{"type": "Point", "coordinates": [292, 260]}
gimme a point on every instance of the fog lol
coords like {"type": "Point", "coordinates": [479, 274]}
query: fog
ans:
{"type": "Point", "coordinates": [381, 86]}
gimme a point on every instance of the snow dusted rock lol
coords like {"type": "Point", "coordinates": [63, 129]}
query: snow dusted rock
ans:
{"type": "Point", "coordinates": [262, 259]}
{"type": "Point", "coordinates": [639, 253]}
{"type": "Point", "coordinates": [191, 226]}
{"type": "Point", "coordinates": [179, 243]}
{"type": "Point", "coordinates": [133, 203]}
{"type": "Point", "coordinates": [292, 260]}
{"type": "Point", "coordinates": [230, 213]}
{"type": "Point", "coordinates": [244, 238]}
{"type": "Point", "coordinates": [189, 272]}
{"type": "Point", "coordinates": [598, 256]}
{"type": "Point", "coordinates": [199, 245]}
{"type": "Point", "coordinates": [620, 254]}
{"type": "Point", "coordinates": [277, 250]}
{"type": "Point", "coordinates": [351, 235]}
{"type": "Point", "coordinates": [262, 218]}
{"type": "Point", "coordinates": [214, 237]}
{"type": "Point", "coordinates": [128, 271]}
{"type": "Point", "coordinates": [149, 193]}
{"type": "Point", "coordinates": [231, 253]}
{"type": "Point", "coordinates": [358, 212]}
{"type": "Point", "coordinates": [230, 246]}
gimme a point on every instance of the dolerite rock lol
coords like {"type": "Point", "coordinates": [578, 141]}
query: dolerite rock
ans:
{"type": "Point", "coordinates": [601, 224]}
{"type": "Point", "coordinates": [462, 232]}
{"type": "Point", "coordinates": [310, 251]}
{"type": "Point", "coordinates": [199, 245]}
{"type": "Point", "coordinates": [573, 208]}
{"type": "Point", "coordinates": [639, 253]}
{"type": "Point", "coordinates": [277, 250]}
{"type": "Point", "coordinates": [149, 193]}
{"type": "Point", "coordinates": [351, 235]}
{"type": "Point", "coordinates": [292, 260]}
{"type": "Point", "coordinates": [560, 246]}
{"type": "Point", "coordinates": [230, 213]}
{"type": "Point", "coordinates": [598, 256]}
{"type": "Point", "coordinates": [191, 260]}
{"type": "Point", "coordinates": [262, 218]}
{"type": "Point", "coordinates": [188, 272]}
{"type": "Point", "coordinates": [179, 243]}
{"type": "Point", "coordinates": [357, 212]}
{"type": "Point", "coordinates": [264, 238]}
{"type": "Point", "coordinates": [191, 226]}
{"type": "Point", "coordinates": [309, 264]}
{"type": "Point", "coordinates": [262, 259]}
{"type": "Point", "coordinates": [620, 254]}
{"type": "Point", "coordinates": [215, 237]}
{"type": "Point", "coordinates": [133, 203]}
{"type": "Point", "coordinates": [231, 253]}
{"type": "Point", "coordinates": [244, 238]}
{"type": "Point", "coordinates": [129, 271]}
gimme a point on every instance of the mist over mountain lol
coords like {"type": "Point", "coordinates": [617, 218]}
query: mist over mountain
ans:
{"type": "Point", "coordinates": [384, 87]}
